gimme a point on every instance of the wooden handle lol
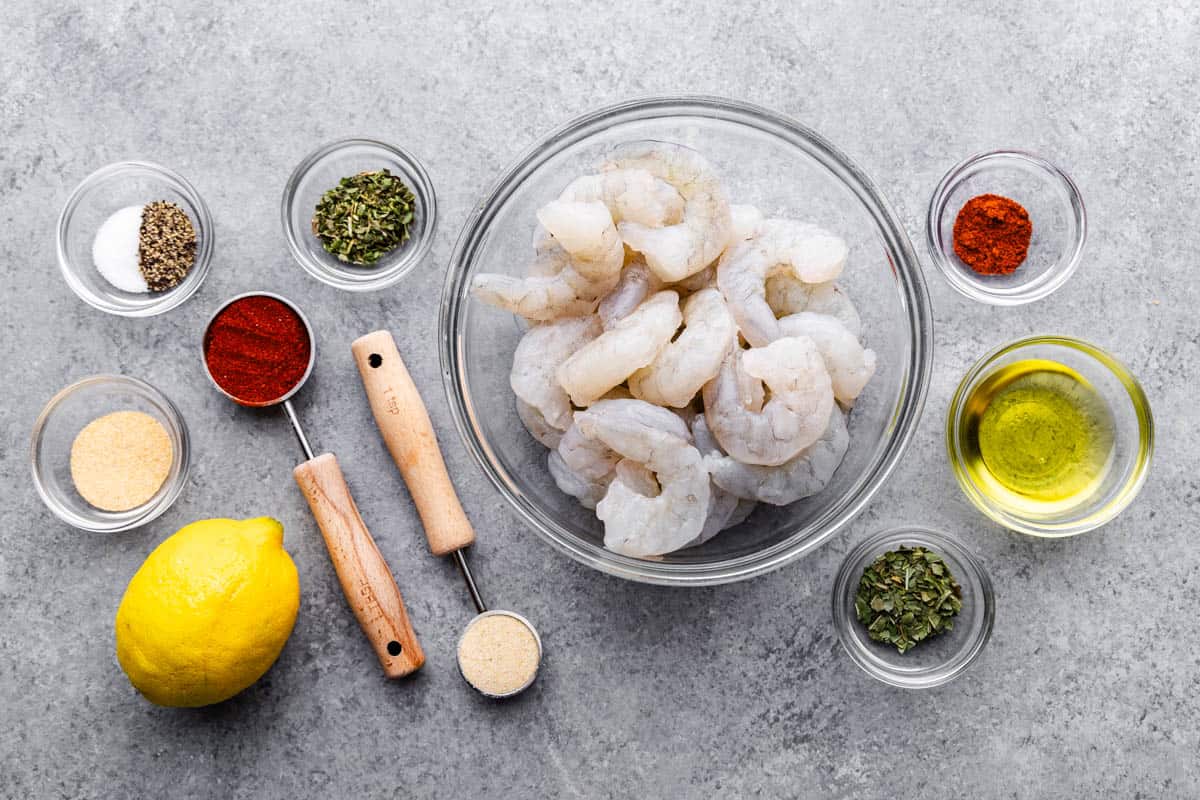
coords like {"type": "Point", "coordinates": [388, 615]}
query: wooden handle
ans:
{"type": "Point", "coordinates": [366, 580]}
{"type": "Point", "coordinates": [404, 422]}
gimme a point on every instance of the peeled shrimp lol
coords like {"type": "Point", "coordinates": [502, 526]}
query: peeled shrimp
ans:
{"type": "Point", "coordinates": [537, 426]}
{"type": "Point", "coordinates": [634, 524]}
{"type": "Point", "coordinates": [704, 279]}
{"type": "Point", "coordinates": [794, 417]}
{"type": "Point", "coordinates": [631, 344]}
{"type": "Point", "coordinates": [588, 491]}
{"type": "Point", "coordinates": [632, 195]}
{"type": "Point", "coordinates": [746, 222]}
{"type": "Point", "coordinates": [586, 233]}
{"type": "Point", "coordinates": [850, 365]}
{"type": "Point", "coordinates": [787, 294]}
{"type": "Point", "coordinates": [683, 366]}
{"type": "Point", "coordinates": [538, 355]}
{"type": "Point", "coordinates": [674, 252]}
{"type": "Point", "coordinates": [812, 254]}
{"type": "Point", "coordinates": [722, 506]}
{"type": "Point", "coordinates": [803, 476]}
{"type": "Point", "coordinates": [636, 284]}
{"type": "Point", "coordinates": [585, 456]}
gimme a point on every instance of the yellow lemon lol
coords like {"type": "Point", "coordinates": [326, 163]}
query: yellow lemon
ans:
{"type": "Point", "coordinates": [208, 612]}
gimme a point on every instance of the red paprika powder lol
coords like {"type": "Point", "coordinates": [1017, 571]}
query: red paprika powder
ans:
{"type": "Point", "coordinates": [991, 234]}
{"type": "Point", "coordinates": [257, 349]}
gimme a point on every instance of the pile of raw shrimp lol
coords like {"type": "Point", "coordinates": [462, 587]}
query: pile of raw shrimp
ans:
{"type": "Point", "coordinates": [687, 358]}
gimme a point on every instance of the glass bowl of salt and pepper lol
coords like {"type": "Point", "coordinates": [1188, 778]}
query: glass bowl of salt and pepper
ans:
{"type": "Point", "coordinates": [134, 239]}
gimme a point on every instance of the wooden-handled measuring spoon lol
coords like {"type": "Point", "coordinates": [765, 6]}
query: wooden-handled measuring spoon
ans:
{"type": "Point", "coordinates": [404, 423]}
{"type": "Point", "coordinates": [366, 580]}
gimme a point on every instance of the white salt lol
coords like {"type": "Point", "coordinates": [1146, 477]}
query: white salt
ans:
{"type": "Point", "coordinates": [115, 250]}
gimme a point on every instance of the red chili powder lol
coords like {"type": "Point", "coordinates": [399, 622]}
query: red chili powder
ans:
{"type": "Point", "coordinates": [257, 349]}
{"type": "Point", "coordinates": [992, 234]}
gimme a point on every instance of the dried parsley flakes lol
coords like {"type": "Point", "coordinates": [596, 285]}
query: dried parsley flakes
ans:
{"type": "Point", "coordinates": [364, 217]}
{"type": "Point", "coordinates": [907, 595]}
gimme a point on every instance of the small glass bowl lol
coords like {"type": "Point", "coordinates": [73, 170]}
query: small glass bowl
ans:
{"type": "Point", "coordinates": [106, 191]}
{"type": "Point", "coordinates": [65, 416]}
{"type": "Point", "coordinates": [939, 659]}
{"type": "Point", "coordinates": [1055, 208]}
{"type": "Point", "coordinates": [1133, 438]}
{"type": "Point", "coordinates": [321, 171]}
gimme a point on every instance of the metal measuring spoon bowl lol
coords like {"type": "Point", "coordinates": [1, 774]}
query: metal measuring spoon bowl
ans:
{"type": "Point", "coordinates": [499, 654]}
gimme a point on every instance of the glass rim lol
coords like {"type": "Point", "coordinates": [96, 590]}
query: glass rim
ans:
{"type": "Point", "coordinates": [1097, 517]}
{"type": "Point", "coordinates": [977, 289]}
{"type": "Point", "coordinates": [164, 301]}
{"type": "Point", "coordinates": [369, 280]}
{"type": "Point", "coordinates": [914, 298]}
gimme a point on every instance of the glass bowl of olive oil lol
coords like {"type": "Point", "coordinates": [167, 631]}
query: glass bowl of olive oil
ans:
{"type": "Point", "coordinates": [1050, 436]}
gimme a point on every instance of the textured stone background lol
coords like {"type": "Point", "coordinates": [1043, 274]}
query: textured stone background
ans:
{"type": "Point", "coordinates": [1089, 686]}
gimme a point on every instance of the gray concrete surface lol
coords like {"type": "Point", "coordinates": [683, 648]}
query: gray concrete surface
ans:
{"type": "Point", "coordinates": [1089, 687]}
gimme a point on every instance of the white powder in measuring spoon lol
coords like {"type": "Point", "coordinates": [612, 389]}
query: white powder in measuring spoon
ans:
{"type": "Point", "coordinates": [115, 250]}
{"type": "Point", "coordinates": [499, 653]}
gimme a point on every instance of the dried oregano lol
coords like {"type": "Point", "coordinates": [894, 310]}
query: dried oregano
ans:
{"type": "Point", "coordinates": [907, 595]}
{"type": "Point", "coordinates": [364, 217]}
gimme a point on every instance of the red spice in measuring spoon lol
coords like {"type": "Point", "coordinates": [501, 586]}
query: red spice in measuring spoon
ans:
{"type": "Point", "coordinates": [257, 349]}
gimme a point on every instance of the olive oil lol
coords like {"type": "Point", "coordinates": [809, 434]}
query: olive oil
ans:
{"type": "Point", "coordinates": [1037, 435]}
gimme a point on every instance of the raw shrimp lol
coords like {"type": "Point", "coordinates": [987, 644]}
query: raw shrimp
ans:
{"type": "Point", "coordinates": [803, 476]}
{"type": "Point", "coordinates": [787, 294]}
{"type": "Point", "coordinates": [634, 524]}
{"type": "Point", "coordinates": [537, 426]}
{"type": "Point", "coordinates": [586, 233]}
{"type": "Point", "coordinates": [538, 355]}
{"type": "Point", "coordinates": [722, 506]}
{"type": "Point", "coordinates": [704, 279]}
{"type": "Point", "coordinates": [683, 366]}
{"type": "Point", "coordinates": [631, 344]}
{"type": "Point", "coordinates": [850, 365]}
{"type": "Point", "coordinates": [637, 477]}
{"type": "Point", "coordinates": [674, 252]}
{"type": "Point", "coordinates": [585, 456]}
{"type": "Point", "coordinates": [794, 417]}
{"type": "Point", "coordinates": [636, 284]}
{"type": "Point", "coordinates": [632, 195]}
{"type": "Point", "coordinates": [811, 253]}
{"type": "Point", "coordinates": [587, 491]}
{"type": "Point", "coordinates": [746, 222]}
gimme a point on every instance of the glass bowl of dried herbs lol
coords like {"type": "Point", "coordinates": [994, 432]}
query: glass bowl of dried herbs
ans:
{"type": "Point", "coordinates": [913, 607]}
{"type": "Point", "coordinates": [359, 214]}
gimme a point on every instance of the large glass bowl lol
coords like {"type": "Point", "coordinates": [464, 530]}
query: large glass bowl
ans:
{"type": "Point", "coordinates": [765, 159]}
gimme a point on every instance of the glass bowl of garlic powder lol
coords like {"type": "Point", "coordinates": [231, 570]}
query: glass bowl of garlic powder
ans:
{"type": "Point", "coordinates": [109, 453]}
{"type": "Point", "coordinates": [134, 239]}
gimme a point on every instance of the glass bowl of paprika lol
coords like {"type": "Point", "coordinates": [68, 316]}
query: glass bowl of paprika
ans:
{"type": "Point", "coordinates": [1006, 227]}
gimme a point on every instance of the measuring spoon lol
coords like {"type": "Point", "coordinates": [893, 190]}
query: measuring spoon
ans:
{"type": "Point", "coordinates": [366, 580]}
{"type": "Point", "coordinates": [404, 423]}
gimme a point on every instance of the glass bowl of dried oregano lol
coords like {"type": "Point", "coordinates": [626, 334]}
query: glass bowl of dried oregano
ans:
{"type": "Point", "coordinates": [913, 607]}
{"type": "Point", "coordinates": [359, 214]}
